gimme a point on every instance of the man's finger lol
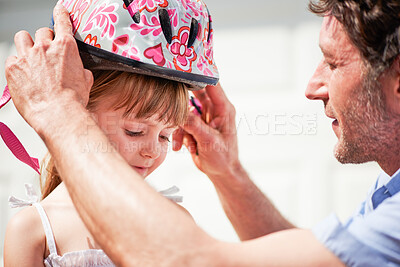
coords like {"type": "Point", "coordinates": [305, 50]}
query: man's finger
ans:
{"type": "Point", "coordinates": [190, 143]}
{"type": "Point", "coordinates": [62, 22]}
{"type": "Point", "coordinates": [23, 41]}
{"type": "Point", "coordinates": [217, 95]}
{"type": "Point", "coordinates": [196, 127]}
{"type": "Point", "coordinates": [201, 95]}
{"type": "Point", "coordinates": [44, 35]}
{"type": "Point", "coordinates": [177, 139]}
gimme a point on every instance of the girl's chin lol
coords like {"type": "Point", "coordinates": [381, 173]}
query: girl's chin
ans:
{"type": "Point", "coordinates": [142, 171]}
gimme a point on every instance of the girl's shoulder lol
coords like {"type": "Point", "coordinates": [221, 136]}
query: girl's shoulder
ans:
{"type": "Point", "coordinates": [27, 221]}
{"type": "Point", "coordinates": [25, 239]}
{"type": "Point", "coordinates": [27, 224]}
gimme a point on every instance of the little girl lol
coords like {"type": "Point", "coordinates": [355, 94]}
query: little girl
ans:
{"type": "Point", "coordinates": [138, 114]}
{"type": "Point", "coordinates": [122, 43]}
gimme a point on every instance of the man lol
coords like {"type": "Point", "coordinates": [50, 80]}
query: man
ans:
{"type": "Point", "coordinates": [359, 82]}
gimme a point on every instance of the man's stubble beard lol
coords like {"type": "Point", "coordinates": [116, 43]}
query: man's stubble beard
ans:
{"type": "Point", "coordinates": [364, 132]}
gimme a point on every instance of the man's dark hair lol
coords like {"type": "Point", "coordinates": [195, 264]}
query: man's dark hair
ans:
{"type": "Point", "coordinates": [372, 25]}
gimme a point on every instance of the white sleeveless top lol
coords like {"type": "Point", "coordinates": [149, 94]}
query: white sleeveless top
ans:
{"type": "Point", "coordinates": [81, 258]}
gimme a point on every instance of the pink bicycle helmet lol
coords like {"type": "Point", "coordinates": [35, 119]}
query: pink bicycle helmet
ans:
{"type": "Point", "coordinates": [171, 39]}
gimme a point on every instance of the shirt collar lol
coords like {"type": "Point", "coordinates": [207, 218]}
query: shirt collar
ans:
{"type": "Point", "coordinates": [384, 178]}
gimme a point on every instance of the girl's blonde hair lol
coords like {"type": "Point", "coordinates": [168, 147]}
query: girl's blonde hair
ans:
{"type": "Point", "coordinates": [143, 96]}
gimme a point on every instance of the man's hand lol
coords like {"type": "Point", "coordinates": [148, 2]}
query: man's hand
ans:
{"type": "Point", "coordinates": [212, 138]}
{"type": "Point", "coordinates": [48, 72]}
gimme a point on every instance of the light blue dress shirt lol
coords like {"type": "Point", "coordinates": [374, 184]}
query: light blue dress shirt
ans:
{"type": "Point", "coordinates": [369, 237]}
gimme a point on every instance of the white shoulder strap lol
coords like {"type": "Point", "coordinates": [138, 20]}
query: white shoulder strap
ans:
{"type": "Point", "coordinates": [33, 199]}
{"type": "Point", "coordinates": [47, 228]}
{"type": "Point", "coordinates": [15, 202]}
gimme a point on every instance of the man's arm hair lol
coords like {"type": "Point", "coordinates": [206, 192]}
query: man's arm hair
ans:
{"type": "Point", "coordinates": [251, 213]}
{"type": "Point", "coordinates": [137, 226]}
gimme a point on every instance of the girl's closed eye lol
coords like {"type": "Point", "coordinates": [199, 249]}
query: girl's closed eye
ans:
{"type": "Point", "coordinates": [132, 133]}
{"type": "Point", "coordinates": [165, 138]}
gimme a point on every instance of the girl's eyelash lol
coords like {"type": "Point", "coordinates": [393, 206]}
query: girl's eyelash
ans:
{"type": "Point", "coordinates": [130, 133]}
{"type": "Point", "coordinates": [133, 133]}
{"type": "Point", "coordinates": [166, 138]}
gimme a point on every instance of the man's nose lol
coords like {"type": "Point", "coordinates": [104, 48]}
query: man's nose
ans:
{"type": "Point", "coordinates": [317, 88]}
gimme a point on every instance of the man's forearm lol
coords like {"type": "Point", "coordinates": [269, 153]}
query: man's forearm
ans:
{"type": "Point", "coordinates": [251, 213]}
{"type": "Point", "coordinates": [124, 214]}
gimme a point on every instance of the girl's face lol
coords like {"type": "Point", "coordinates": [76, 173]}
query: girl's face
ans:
{"type": "Point", "coordinates": [143, 143]}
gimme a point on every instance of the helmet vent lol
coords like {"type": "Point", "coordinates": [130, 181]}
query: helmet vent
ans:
{"type": "Point", "coordinates": [127, 2]}
{"type": "Point", "coordinates": [209, 26]}
{"type": "Point", "coordinates": [165, 24]}
{"type": "Point", "coordinates": [136, 17]}
{"type": "Point", "coordinates": [194, 30]}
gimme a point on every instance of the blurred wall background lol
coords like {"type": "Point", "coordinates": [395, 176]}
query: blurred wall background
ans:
{"type": "Point", "coordinates": [266, 52]}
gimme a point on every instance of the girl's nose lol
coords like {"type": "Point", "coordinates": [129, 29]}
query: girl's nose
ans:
{"type": "Point", "coordinates": [150, 149]}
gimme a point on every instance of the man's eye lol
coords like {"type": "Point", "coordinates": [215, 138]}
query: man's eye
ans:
{"type": "Point", "coordinates": [331, 66]}
{"type": "Point", "coordinates": [133, 133]}
{"type": "Point", "coordinates": [165, 138]}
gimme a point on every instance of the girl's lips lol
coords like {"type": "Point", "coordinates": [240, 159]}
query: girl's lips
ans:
{"type": "Point", "coordinates": [141, 170]}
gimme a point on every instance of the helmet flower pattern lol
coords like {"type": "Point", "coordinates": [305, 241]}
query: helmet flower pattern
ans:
{"type": "Point", "coordinates": [105, 16]}
{"type": "Point", "coordinates": [151, 25]}
{"type": "Point", "coordinates": [208, 46]}
{"type": "Point", "coordinates": [78, 10]}
{"type": "Point", "coordinates": [183, 55]}
{"type": "Point", "coordinates": [92, 41]}
{"type": "Point", "coordinates": [173, 16]}
{"type": "Point", "coordinates": [156, 54]}
{"type": "Point", "coordinates": [195, 6]}
{"type": "Point", "coordinates": [152, 5]}
{"type": "Point", "coordinates": [202, 65]}
{"type": "Point", "coordinates": [128, 49]}
{"type": "Point", "coordinates": [153, 32]}
{"type": "Point", "coordinates": [67, 3]}
{"type": "Point", "coordinates": [148, 26]}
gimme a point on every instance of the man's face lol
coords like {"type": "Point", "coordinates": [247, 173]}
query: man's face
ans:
{"type": "Point", "coordinates": [350, 100]}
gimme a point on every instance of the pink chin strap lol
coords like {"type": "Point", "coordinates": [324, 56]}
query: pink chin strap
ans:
{"type": "Point", "coordinates": [12, 141]}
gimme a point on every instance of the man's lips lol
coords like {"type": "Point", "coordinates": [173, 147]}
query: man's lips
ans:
{"type": "Point", "coordinates": [335, 125]}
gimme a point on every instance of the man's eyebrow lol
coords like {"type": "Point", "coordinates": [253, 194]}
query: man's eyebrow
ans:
{"type": "Point", "coordinates": [325, 52]}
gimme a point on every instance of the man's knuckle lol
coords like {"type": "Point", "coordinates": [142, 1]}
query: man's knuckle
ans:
{"type": "Point", "coordinates": [43, 29]}
{"type": "Point", "coordinates": [41, 46]}
{"type": "Point", "coordinates": [10, 66]}
{"type": "Point", "coordinates": [67, 40]}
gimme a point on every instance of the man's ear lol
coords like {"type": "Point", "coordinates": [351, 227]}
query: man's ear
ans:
{"type": "Point", "coordinates": [396, 76]}
{"type": "Point", "coordinates": [397, 71]}
{"type": "Point", "coordinates": [390, 82]}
